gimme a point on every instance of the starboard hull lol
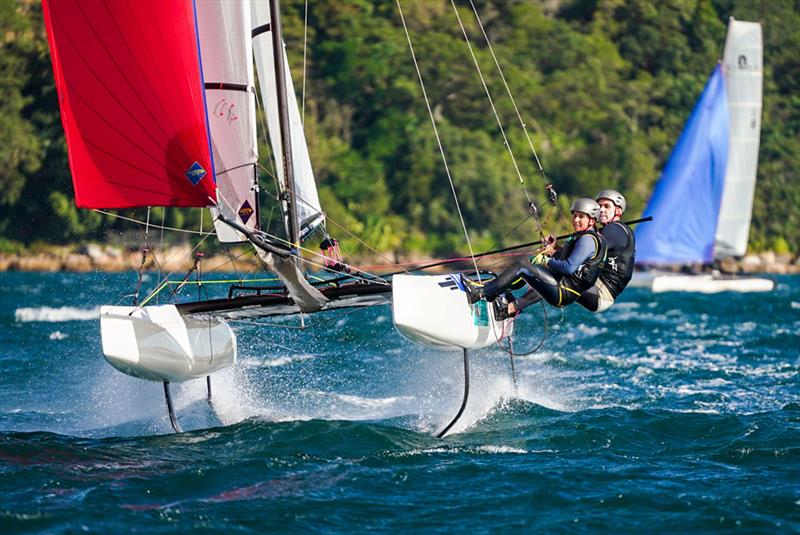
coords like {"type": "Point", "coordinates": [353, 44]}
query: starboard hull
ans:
{"type": "Point", "coordinates": [433, 310]}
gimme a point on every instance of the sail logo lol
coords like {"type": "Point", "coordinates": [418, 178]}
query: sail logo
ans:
{"type": "Point", "coordinates": [743, 64]}
{"type": "Point", "coordinates": [224, 109]}
{"type": "Point", "coordinates": [195, 173]}
{"type": "Point", "coordinates": [246, 212]}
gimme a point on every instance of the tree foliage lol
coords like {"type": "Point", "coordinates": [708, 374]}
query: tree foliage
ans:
{"type": "Point", "coordinates": [602, 87]}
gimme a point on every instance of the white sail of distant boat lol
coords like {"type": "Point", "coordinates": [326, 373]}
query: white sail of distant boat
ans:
{"type": "Point", "coordinates": [742, 66]}
{"type": "Point", "coordinates": [702, 204]}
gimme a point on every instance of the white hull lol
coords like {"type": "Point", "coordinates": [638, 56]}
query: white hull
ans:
{"type": "Point", "coordinates": [431, 309]}
{"type": "Point", "coordinates": [661, 281]}
{"type": "Point", "coordinates": [159, 344]}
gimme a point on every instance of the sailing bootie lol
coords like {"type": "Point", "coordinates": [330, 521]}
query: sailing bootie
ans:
{"type": "Point", "coordinates": [473, 290]}
{"type": "Point", "coordinates": [500, 306]}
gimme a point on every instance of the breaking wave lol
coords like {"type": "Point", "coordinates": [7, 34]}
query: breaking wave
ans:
{"type": "Point", "coordinates": [54, 315]}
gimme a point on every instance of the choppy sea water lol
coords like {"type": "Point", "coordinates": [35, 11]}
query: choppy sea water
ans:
{"type": "Point", "coordinates": [670, 412]}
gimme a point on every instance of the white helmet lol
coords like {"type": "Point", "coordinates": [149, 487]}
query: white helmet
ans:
{"type": "Point", "coordinates": [586, 206]}
{"type": "Point", "coordinates": [614, 196]}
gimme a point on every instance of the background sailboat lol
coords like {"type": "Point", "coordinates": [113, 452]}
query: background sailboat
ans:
{"type": "Point", "coordinates": [702, 204]}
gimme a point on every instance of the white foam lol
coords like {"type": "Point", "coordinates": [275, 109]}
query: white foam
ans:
{"type": "Point", "coordinates": [625, 306]}
{"type": "Point", "coordinates": [584, 331]}
{"type": "Point", "coordinates": [57, 335]}
{"type": "Point", "coordinates": [488, 448]}
{"type": "Point", "coordinates": [795, 305]}
{"type": "Point", "coordinates": [274, 363]}
{"type": "Point", "coordinates": [501, 449]}
{"type": "Point", "coordinates": [369, 403]}
{"type": "Point", "coordinates": [49, 314]}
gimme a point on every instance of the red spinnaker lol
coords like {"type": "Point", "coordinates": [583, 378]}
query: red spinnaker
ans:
{"type": "Point", "coordinates": [132, 102]}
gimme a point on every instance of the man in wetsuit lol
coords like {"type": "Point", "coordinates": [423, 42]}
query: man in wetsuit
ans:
{"type": "Point", "coordinates": [617, 269]}
{"type": "Point", "coordinates": [560, 280]}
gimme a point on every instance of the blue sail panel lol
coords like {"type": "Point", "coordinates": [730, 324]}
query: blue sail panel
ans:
{"type": "Point", "coordinates": [686, 201]}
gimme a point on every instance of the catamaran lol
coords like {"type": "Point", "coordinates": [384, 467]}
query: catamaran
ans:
{"type": "Point", "coordinates": [703, 202]}
{"type": "Point", "coordinates": [158, 103]}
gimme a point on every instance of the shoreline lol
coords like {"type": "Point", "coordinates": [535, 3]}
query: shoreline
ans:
{"type": "Point", "coordinates": [105, 258]}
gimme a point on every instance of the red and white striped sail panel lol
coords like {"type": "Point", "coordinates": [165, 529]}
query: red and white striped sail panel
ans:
{"type": "Point", "coordinates": [132, 104]}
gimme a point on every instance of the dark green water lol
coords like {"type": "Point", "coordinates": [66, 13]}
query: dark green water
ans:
{"type": "Point", "coordinates": [668, 413]}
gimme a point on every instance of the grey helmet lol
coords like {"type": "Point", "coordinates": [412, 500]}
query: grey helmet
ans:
{"type": "Point", "coordinates": [586, 206]}
{"type": "Point", "coordinates": [614, 196]}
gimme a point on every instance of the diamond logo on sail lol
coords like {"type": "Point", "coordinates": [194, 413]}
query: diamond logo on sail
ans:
{"type": "Point", "coordinates": [195, 173]}
{"type": "Point", "coordinates": [245, 212]}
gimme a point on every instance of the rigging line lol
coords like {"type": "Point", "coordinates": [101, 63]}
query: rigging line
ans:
{"type": "Point", "coordinates": [513, 102]}
{"type": "Point", "coordinates": [491, 102]}
{"type": "Point", "coordinates": [344, 229]}
{"type": "Point", "coordinates": [166, 277]}
{"type": "Point", "coordinates": [147, 223]}
{"type": "Point", "coordinates": [368, 246]}
{"type": "Point", "coordinates": [508, 91]}
{"type": "Point", "coordinates": [158, 266]}
{"type": "Point", "coordinates": [264, 134]}
{"type": "Point", "coordinates": [229, 169]}
{"type": "Point", "coordinates": [221, 281]}
{"type": "Point", "coordinates": [436, 133]}
{"type": "Point", "coordinates": [364, 278]}
{"type": "Point", "coordinates": [276, 238]}
{"type": "Point", "coordinates": [165, 280]}
{"type": "Point", "coordinates": [307, 204]}
{"type": "Point", "coordinates": [232, 261]}
{"type": "Point", "coordinates": [497, 242]}
{"type": "Point", "coordinates": [140, 274]}
{"type": "Point", "coordinates": [442, 260]}
{"type": "Point", "coordinates": [274, 178]}
{"type": "Point", "coordinates": [320, 255]}
{"type": "Point", "coordinates": [316, 254]}
{"type": "Point", "coordinates": [538, 346]}
{"type": "Point", "coordinates": [161, 241]}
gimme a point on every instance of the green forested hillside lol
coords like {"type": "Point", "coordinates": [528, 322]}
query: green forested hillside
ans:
{"type": "Point", "coordinates": [604, 87]}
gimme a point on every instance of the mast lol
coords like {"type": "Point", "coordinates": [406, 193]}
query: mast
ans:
{"type": "Point", "coordinates": [283, 117]}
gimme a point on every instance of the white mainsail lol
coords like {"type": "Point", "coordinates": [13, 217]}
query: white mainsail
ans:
{"type": "Point", "coordinates": [227, 62]}
{"type": "Point", "coordinates": [743, 69]}
{"type": "Point", "coordinates": [309, 213]}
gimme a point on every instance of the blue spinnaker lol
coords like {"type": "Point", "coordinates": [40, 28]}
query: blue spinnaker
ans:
{"type": "Point", "coordinates": [686, 201]}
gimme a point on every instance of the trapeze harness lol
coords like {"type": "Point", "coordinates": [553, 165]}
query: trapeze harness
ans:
{"type": "Point", "coordinates": [615, 272]}
{"type": "Point", "coordinates": [559, 292]}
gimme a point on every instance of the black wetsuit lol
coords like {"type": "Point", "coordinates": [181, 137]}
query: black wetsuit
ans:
{"type": "Point", "coordinates": [558, 290]}
{"type": "Point", "coordinates": [616, 271]}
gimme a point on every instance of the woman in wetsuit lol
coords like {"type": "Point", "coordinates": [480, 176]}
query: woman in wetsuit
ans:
{"type": "Point", "coordinates": [560, 279]}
